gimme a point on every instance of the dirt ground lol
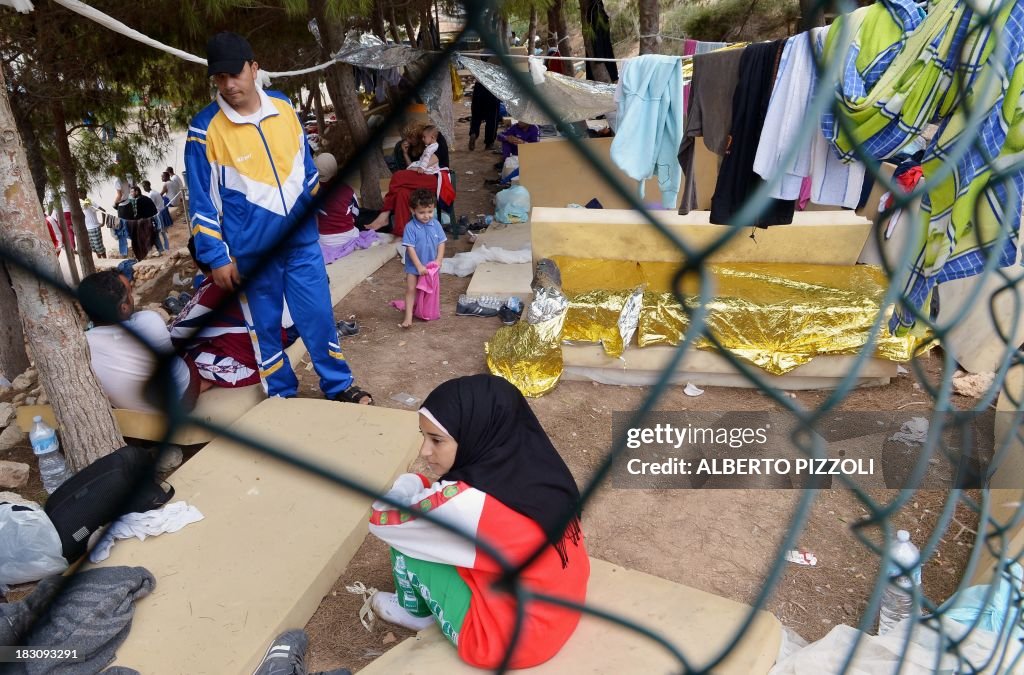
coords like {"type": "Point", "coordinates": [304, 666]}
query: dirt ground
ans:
{"type": "Point", "coordinates": [720, 541]}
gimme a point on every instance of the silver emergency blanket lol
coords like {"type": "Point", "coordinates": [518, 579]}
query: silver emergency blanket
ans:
{"type": "Point", "coordinates": [572, 100]}
{"type": "Point", "coordinates": [368, 51]}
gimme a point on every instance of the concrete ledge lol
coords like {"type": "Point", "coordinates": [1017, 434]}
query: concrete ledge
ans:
{"type": "Point", "coordinates": [642, 367]}
{"type": "Point", "coordinates": [814, 238]}
{"type": "Point", "coordinates": [274, 540]}
{"type": "Point", "coordinates": [510, 237]}
{"type": "Point", "coordinates": [699, 624]}
{"type": "Point", "coordinates": [502, 280]}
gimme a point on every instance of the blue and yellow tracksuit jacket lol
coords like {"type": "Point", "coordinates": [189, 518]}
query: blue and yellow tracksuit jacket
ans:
{"type": "Point", "coordinates": [245, 179]}
{"type": "Point", "coordinates": [248, 178]}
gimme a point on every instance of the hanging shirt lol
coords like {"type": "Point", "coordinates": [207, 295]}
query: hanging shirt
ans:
{"type": "Point", "coordinates": [650, 122]}
{"type": "Point", "coordinates": [709, 114]}
{"type": "Point", "coordinates": [787, 118]}
{"type": "Point", "coordinates": [737, 181]}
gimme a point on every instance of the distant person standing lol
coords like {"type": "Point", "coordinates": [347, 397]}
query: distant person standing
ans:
{"type": "Point", "coordinates": [173, 188]}
{"type": "Point", "coordinates": [120, 196]}
{"type": "Point", "coordinates": [243, 219]}
{"type": "Point", "coordinates": [92, 225]}
{"type": "Point", "coordinates": [483, 109]}
{"type": "Point", "coordinates": [163, 214]}
{"type": "Point", "coordinates": [137, 214]}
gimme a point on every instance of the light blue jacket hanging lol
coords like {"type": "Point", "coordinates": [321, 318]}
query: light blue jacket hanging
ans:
{"type": "Point", "coordinates": [650, 123]}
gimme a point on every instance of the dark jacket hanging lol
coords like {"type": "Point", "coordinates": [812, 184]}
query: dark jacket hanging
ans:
{"type": "Point", "coordinates": [737, 179]}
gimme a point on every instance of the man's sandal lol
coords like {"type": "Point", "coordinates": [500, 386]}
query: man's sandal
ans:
{"type": "Point", "coordinates": [354, 395]}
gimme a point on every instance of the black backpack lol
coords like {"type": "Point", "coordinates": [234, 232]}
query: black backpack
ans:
{"type": "Point", "coordinates": [122, 482]}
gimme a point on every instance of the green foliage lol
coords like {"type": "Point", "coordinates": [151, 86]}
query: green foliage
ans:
{"type": "Point", "coordinates": [731, 20]}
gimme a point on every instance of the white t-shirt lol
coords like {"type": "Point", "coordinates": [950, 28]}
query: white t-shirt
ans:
{"type": "Point", "coordinates": [91, 221]}
{"type": "Point", "coordinates": [174, 187]}
{"type": "Point", "coordinates": [158, 201]}
{"type": "Point", "coordinates": [122, 186]}
{"type": "Point", "coordinates": [123, 365]}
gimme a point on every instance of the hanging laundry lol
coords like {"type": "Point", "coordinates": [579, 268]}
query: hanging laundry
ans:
{"type": "Point", "coordinates": [833, 181]}
{"type": "Point", "coordinates": [650, 123]}
{"type": "Point", "coordinates": [736, 179]}
{"type": "Point", "coordinates": [709, 113]}
{"type": "Point", "coordinates": [898, 76]}
{"type": "Point", "coordinates": [787, 117]}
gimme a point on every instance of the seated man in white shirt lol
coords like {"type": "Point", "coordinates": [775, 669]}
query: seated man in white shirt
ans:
{"type": "Point", "coordinates": [123, 365]}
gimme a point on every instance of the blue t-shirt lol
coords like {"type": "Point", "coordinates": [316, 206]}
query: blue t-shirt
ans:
{"type": "Point", "coordinates": [424, 238]}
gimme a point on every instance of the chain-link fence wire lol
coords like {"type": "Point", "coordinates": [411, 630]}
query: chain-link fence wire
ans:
{"type": "Point", "coordinates": [994, 534]}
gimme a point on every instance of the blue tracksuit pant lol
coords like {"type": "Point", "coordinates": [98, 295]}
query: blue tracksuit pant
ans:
{"type": "Point", "coordinates": [300, 273]}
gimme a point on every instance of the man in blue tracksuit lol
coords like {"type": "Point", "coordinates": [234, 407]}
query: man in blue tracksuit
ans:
{"type": "Point", "coordinates": [250, 174]}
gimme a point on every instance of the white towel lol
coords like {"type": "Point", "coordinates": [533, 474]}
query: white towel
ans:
{"type": "Point", "coordinates": [169, 518]}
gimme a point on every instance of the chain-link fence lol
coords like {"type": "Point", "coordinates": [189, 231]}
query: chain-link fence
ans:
{"type": "Point", "coordinates": [969, 94]}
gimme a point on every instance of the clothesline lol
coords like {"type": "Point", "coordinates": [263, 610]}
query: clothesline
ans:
{"type": "Point", "coordinates": [560, 58]}
{"type": "Point", "coordinates": [120, 28]}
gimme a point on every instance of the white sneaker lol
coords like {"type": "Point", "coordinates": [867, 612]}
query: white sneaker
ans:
{"type": "Point", "coordinates": [385, 605]}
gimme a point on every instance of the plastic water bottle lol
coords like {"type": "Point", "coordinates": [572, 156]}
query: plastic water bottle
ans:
{"type": "Point", "coordinates": [52, 467]}
{"type": "Point", "coordinates": [897, 600]}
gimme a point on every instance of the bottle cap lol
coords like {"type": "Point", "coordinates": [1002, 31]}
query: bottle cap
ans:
{"type": "Point", "coordinates": [903, 535]}
{"type": "Point", "coordinates": [37, 419]}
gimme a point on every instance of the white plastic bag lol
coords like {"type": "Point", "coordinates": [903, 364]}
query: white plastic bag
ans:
{"type": "Point", "coordinates": [29, 545]}
{"type": "Point", "coordinates": [513, 205]}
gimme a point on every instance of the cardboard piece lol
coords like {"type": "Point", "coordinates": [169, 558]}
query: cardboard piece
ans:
{"type": "Point", "coordinates": [699, 624]}
{"type": "Point", "coordinates": [1006, 492]}
{"type": "Point", "coordinates": [814, 238]}
{"type": "Point", "coordinates": [274, 540]}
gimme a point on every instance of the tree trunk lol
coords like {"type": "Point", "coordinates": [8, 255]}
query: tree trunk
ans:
{"type": "Point", "coordinates": [811, 15]}
{"type": "Point", "coordinates": [62, 225]}
{"type": "Point", "coordinates": [13, 357]}
{"type": "Point", "coordinates": [372, 169]}
{"type": "Point", "coordinates": [50, 319]}
{"type": "Point", "coordinates": [67, 173]}
{"type": "Point", "coordinates": [36, 163]}
{"type": "Point", "coordinates": [649, 26]}
{"type": "Point", "coordinates": [321, 123]}
{"type": "Point", "coordinates": [596, 70]}
{"type": "Point", "coordinates": [531, 32]}
{"type": "Point", "coordinates": [393, 27]}
{"type": "Point", "coordinates": [410, 28]}
{"type": "Point", "coordinates": [341, 85]}
{"type": "Point", "coordinates": [426, 30]}
{"type": "Point", "coordinates": [558, 28]}
{"type": "Point", "coordinates": [377, 17]}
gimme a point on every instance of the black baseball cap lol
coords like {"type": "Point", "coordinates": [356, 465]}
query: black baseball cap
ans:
{"type": "Point", "coordinates": [228, 53]}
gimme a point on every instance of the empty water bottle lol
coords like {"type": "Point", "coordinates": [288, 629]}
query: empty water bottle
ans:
{"type": "Point", "coordinates": [52, 467]}
{"type": "Point", "coordinates": [904, 575]}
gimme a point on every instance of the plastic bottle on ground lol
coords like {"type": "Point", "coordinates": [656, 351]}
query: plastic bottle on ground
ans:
{"type": "Point", "coordinates": [52, 467]}
{"type": "Point", "coordinates": [897, 600]}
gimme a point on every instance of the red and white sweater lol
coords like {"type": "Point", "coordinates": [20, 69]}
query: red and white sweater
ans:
{"type": "Point", "coordinates": [488, 624]}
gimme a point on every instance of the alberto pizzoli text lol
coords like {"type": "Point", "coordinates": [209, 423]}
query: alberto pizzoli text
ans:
{"type": "Point", "coordinates": [745, 466]}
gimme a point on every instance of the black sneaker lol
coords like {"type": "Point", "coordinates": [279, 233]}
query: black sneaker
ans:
{"type": "Point", "coordinates": [508, 316]}
{"type": "Point", "coordinates": [286, 655]}
{"type": "Point", "coordinates": [173, 305]}
{"type": "Point", "coordinates": [468, 307]}
{"type": "Point", "coordinates": [347, 328]}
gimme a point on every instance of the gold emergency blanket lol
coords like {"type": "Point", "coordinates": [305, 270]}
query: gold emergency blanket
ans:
{"type": "Point", "coordinates": [776, 316]}
{"type": "Point", "coordinates": [527, 355]}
